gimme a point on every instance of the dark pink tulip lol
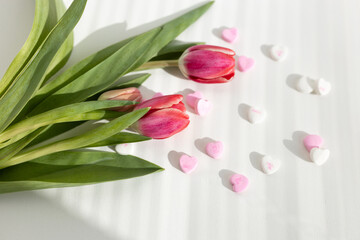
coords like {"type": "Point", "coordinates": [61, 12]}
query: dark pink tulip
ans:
{"type": "Point", "coordinates": [208, 64]}
{"type": "Point", "coordinates": [166, 117]}
{"type": "Point", "coordinates": [126, 94]}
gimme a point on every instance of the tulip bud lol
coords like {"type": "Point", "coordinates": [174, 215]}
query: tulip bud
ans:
{"type": "Point", "coordinates": [126, 94]}
{"type": "Point", "coordinates": [166, 117]}
{"type": "Point", "coordinates": [208, 64]}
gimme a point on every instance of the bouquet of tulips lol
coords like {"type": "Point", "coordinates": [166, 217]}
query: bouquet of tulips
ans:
{"type": "Point", "coordinates": [37, 107]}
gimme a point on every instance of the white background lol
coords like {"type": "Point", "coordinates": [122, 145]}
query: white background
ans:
{"type": "Point", "coordinates": [300, 201]}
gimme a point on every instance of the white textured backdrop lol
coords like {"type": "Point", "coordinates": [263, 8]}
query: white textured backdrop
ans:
{"type": "Point", "coordinates": [301, 201]}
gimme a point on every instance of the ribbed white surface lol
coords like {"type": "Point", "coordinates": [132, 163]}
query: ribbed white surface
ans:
{"type": "Point", "coordinates": [301, 201]}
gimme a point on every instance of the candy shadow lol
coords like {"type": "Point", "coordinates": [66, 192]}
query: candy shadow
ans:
{"type": "Point", "coordinates": [146, 92]}
{"type": "Point", "coordinates": [292, 80]}
{"type": "Point", "coordinates": [174, 159]}
{"type": "Point", "coordinates": [265, 49]}
{"type": "Point", "coordinates": [218, 31]}
{"type": "Point", "coordinates": [296, 145]}
{"type": "Point", "coordinates": [243, 111]}
{"type": "Point", "coordinates": [201, 143]}
{"type": "Point", "coordinates": [255, 159]}
{"type": "Point", "coordinates": [225, 175]}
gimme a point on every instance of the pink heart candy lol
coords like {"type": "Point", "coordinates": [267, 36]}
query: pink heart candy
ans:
{"type": "Point", "coordinates": [187, 163]}
{"type": "Point", "coordinates": [230, 34]}
{"type": "Point", "coordinates": [202, 106]}
{"type": "Point", "coordinates": [191, 98]}
{"type": "Point", "coordinates": [312, 141]}
{"type": "Point", "coordinates": [215, 149]}
{"type": "Point", "coordinates": [239, 182]}
{"type": "Point", "coordinates": [245, 64]}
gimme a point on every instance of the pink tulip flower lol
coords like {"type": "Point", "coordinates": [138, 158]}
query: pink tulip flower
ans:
{"type": "Point", "coordinates": [166, 117]}
{"type": "Point", "coordinates": [126, 94]}
{"type": "Point", "coordinates": [208, 64]}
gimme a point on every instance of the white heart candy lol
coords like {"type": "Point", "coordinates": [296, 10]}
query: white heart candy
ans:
{"type": "Point", "coordinates": [319, 155]}
{"type": "Point", "coordinates": [278, 52]}
{"type": "Point", "coordinates": [323, 87]}
{"type": "Point", "coordinates": [303, 85]}
{"type": "Point", "coordinates": [270, 165]}
{"type": "Point", "coordinates": [125, 148]}
{"type": "Point", "coordinates": [256, 115]}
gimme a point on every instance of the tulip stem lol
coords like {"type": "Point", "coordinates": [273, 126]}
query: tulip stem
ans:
{"type": "Point", "coordinates": [158, 64]}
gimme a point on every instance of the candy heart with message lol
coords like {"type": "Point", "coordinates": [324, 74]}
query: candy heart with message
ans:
{"type": "Point", "coordinates": [270, 165]}
{"type": "Point", "coordinates": [278, 52]}
{"type": "Point", "coordinates": [256, 115]}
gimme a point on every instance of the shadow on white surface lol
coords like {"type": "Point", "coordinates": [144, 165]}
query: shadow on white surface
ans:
{"type": "Point", "coordinates": [296, 145]}
{"type": "Point", "coordinates": [225, 175]}
{"type": "Point", "coordinates": [255, 160]}
{"type": "Point", "coordinates": [218, 31]}
{"type": "Point", "coordinates": [265, 49]}
{"type": "Point", "coordinates": [28, 215]}
{"type": "Point", "coordinates": [146, 92]}
{"type": "Point", "coordinates": [292, 80]}
{"type": "Point", "coordinates": [243, 111]}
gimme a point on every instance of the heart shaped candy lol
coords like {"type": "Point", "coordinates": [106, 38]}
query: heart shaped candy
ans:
{"type": "Point", "coordinates": [215, 149]}
{"type": "Point", "coordinates": [303, 85]}
{"type": "Point", "coordinates": [191, 98]}
{"type": "Point", "coordinates": [230, 34]}
{"type": "Point", "coordinates": [256, 115]}
{"type": "Point", "coordinates": [323, 87]}
{"type": "Point", "coordinates": [187, 163]}
{"type": "Point", "coordinates": [270, 165]}
{"type": "Point", "coordinates": [319, 155]}
{"type": "Point", "coordinates": [125, 148]}
{"type": "Point", "coordinates": [245, 64]}
{"type": "Point", "coordinates": [278, 52]}
{"type": "Point", "coordinates": [312, 141]}
{"type": "Point", "coordinates": [239, 182]}
{"type": "Point", "coordinates": [202, 106]}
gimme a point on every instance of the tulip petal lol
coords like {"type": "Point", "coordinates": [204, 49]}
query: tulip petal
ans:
{"type": "Point", "coordinates": [121, 94]}
{"type": "Point", "coordinates": [180, 106]}
{"type": "Point", "coordinates": [212, 48]}
{"type": "Point", "coordinates": [160, 102]}
{"type": "Point", "coordinates": [163, 123]}
{"type": "Point", "coordinates": [208, 64]}
{"type": "Point", "coordinates": [222, 79]}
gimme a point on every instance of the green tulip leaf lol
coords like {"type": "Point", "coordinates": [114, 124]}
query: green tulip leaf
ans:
{"type": "Point", "coordinates": [70, 168]}
{"type": "Point", "coordinates": [64, 52]}
{"type": "Point", "coordinates": [120, 138]}
{"type": "Point", "coordinates": [29, 79]}
{"type": "Point", "coordinates": [96, 135]}
{"type": "Point", "coordinates": [14, 147]}
{"type": "Point", "coordinates": [68, 113]}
